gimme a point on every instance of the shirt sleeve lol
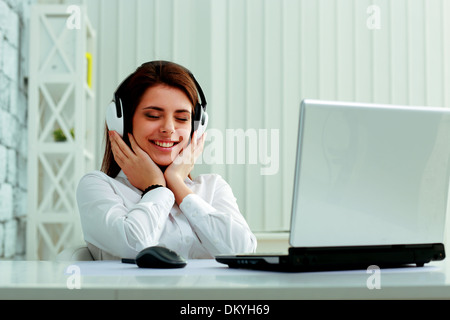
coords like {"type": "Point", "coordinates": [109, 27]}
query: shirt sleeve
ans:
{"type": "Point", "coordinates": [114, 228]}
{"type": "Point", "coordinates": [219, 225]}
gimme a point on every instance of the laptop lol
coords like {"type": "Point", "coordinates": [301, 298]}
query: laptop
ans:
{"type": "Point", "coordinates": [370, 188]}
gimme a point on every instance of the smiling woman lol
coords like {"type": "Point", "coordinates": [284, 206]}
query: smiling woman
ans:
{"type": "Point", "coordinates": [144, 96]}
{"type": "Point", "coordinates": [161, 123]}
{"type": "Point", "coordinates": [144, 196]}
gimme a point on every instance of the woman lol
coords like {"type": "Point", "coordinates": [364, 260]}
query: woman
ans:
{"type": "Point", "coordinates": [144, 195]}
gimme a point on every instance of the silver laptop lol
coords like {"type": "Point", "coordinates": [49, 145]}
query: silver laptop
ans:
{"type": "Point", "coordinates": [370, 188]}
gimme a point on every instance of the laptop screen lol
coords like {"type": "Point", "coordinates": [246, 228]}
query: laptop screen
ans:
{"type": "Point", "coordinates": [370, 174]}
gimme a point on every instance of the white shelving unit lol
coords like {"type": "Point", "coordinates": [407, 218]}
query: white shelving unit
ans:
{"type": "Point", "coordinates": [61, 120]}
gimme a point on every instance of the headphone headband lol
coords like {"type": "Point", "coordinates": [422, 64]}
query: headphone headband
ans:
{"type": "Point", "coordinates": [203, 102]}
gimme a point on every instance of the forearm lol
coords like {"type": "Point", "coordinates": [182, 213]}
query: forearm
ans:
{"type": "Point", "coordinates": [178, 187]}
{"type": "Point", "coordinates": [220, 228]}
{"type": "Point", "coordinates": [114, 227]}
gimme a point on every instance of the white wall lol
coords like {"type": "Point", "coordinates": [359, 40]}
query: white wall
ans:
{"type": "Point", "coordinates": [256, 60]}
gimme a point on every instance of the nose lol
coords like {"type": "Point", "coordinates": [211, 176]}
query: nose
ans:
{"type": "Point", "coordinates": [167, 126]}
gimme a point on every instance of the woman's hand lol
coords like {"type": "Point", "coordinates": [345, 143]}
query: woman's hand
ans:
{"type": "Point", "coordinates": [181, 166]}
{"type": "Point", "coordinates": [137, 165]}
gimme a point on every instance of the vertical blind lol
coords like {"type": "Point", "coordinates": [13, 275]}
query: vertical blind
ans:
{"type": "Point", "coordinates": [257, 59]}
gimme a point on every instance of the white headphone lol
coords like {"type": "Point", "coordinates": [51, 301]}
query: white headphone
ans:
{"type": "Point", "coordinates": [115, 115]}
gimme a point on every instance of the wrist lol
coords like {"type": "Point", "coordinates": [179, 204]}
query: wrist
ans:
{"type": "Point", "coordinates": [173, 178]}
{"type": "Point", "coordinates": [180, 190]}
{"type": "Point", "coordinates": [176, 184]}
{"type": "Point", "coordinates": [152, 182]}
{"type": "Point", "coordinates": [150, 188]}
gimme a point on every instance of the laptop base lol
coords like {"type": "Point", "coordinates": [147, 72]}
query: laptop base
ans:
{"type": "Point", "coordinates": [305, 259]}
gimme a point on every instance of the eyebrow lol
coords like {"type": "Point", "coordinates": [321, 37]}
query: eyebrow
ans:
{"type": "Point", "coordinates": [162, 110]}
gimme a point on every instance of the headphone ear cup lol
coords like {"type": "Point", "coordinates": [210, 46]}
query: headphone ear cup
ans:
{"type": "Point", "coordinates": [202, 126]}
{"type": "Point", "coordinates": [114, 121]}
{"type": "Point", "coordinates": [196, 118]}
{"type": "Point", "coordinates": [200, 121]}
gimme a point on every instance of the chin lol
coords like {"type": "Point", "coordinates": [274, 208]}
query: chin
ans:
{"type": "Point", "coordinates": [163, 161]}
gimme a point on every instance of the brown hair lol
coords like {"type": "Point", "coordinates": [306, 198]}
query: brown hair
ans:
{"type": "Point", "coordinates": [131, 91]}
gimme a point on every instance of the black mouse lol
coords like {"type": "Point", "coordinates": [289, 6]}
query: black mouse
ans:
{"type": "Point", "coordinates": [159, 257]}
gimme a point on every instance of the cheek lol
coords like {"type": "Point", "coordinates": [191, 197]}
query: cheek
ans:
{"type": "Point", "coordinates": [142, 128]}
{"type": "Point", "coordinates": [185, 133]}
{"type": "Point", "coordinates": [137, 134]}
{"type": "Point", "coordinates": [136, 127]}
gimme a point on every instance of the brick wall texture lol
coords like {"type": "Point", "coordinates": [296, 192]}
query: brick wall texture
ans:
{"type": "Point", "coordinates": [14, 24]}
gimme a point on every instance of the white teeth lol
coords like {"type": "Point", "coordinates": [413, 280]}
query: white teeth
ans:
{"type": "Point", "coordinates": [164, 144]}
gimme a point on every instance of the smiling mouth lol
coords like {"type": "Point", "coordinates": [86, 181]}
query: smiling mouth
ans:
{"type": "Point", "coordinates": [164, 144]}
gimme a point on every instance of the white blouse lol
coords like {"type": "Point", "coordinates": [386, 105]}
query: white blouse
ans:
{"type": "Point", "coordinates": [118, 223]}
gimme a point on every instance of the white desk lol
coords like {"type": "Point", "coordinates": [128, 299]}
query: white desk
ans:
{"type": "Point", "coordinates": [207, 279]}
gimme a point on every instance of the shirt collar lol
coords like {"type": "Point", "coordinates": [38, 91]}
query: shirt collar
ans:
{"type": "Point", "coordinates": [121, 177]}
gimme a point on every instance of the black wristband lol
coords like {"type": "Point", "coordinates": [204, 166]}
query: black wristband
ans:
{"type": "Point", "coordinates": [151, 188]}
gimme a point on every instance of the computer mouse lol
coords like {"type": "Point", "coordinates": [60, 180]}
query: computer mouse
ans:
{"type": "Point", "coordinates": [159, 257]}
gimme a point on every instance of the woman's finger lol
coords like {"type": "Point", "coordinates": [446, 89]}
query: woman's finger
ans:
{"type": "Point", "coordinates": [200, 144]}
{"type": "Point", "coordinates": [120, 144]}
{"type": "Point", "coordinates": [194, 138]}
{"type": "Point", "coordinates": [119, 157]}
{"type": "Point", "coordinates": [115, 148]}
